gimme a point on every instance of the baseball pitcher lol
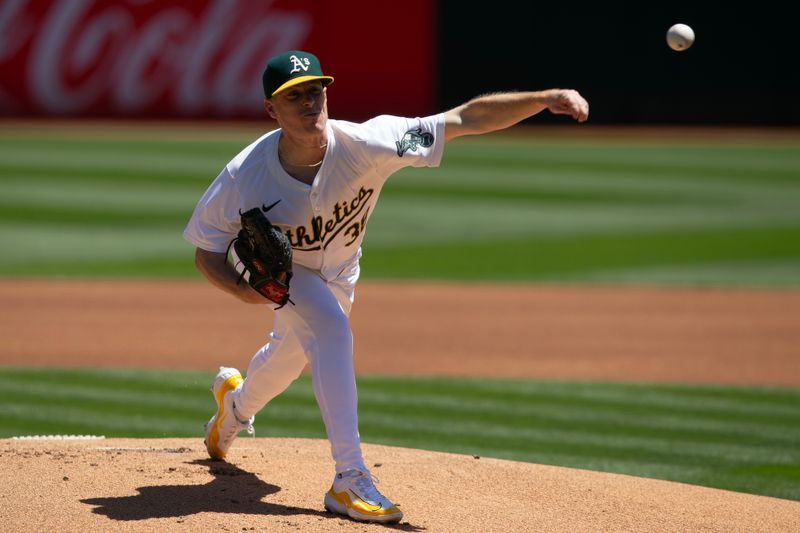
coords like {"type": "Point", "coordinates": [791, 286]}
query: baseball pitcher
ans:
{"type": "Point", "coordinates": [282, 224]}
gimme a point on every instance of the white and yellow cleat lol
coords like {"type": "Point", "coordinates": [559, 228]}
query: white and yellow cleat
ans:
{"type": "Point", "coordinates": [354, 494]}
{"type": "Point", "coordinates": [223, 427]}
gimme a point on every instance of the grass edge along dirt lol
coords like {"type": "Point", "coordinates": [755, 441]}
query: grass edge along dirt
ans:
{"type": "Point", "coordinates": [745, 439]}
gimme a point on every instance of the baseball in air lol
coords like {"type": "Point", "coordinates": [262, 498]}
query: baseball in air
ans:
{"type": "Point", "coordinates": [680, 37]}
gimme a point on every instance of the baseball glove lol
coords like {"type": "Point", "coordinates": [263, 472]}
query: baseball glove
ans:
{"type": "Point", "coordinates": [265, 252]}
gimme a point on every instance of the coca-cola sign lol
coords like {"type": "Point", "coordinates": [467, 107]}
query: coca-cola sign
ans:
{"type": "Point", "coordinates": [190, 58]}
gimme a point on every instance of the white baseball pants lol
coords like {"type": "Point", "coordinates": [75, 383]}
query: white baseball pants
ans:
{"type": "Point", "coordinates": [316, 330]}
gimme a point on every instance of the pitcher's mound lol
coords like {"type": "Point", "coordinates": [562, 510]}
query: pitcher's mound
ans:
{"type": "Point", "coordinates": [278, 485]}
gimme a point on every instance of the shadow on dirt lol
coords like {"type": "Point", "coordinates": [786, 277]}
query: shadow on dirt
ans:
{"type": "Point", "coordinates": [232, 490]}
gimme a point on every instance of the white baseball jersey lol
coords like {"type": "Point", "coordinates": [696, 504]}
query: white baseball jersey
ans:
{"type": "Point", "coordinates": [324, 221]}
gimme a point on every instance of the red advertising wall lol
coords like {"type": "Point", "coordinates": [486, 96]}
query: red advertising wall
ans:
{"type": "Point", "coordinates": [204, 58]}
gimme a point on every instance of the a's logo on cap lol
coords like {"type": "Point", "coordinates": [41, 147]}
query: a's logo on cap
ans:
{"type": "Point", "coordinates": [299, 64]}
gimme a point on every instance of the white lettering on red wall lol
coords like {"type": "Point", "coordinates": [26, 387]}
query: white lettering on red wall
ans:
{"type": "Point", "coordinates": [204, 58]}
{"type": "Point", "coordinates": [105, 57]}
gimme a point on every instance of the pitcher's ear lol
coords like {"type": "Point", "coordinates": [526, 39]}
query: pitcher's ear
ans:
{"type": "Point", "coordinates": [269, 108]}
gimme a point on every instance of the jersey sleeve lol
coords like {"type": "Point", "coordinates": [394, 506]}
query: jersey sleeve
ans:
{"type": "Point", "coordinates": [215, 220]}
{"type": "Point", "coordinates": [396, 142]}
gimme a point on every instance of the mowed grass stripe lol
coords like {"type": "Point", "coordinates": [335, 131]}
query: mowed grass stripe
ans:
{"type": "Point", "coordinates": [581, 442]}
{"type": "Point", "coordinates": [711, 399]}
{"type": "Point", "coordinates": [572, 256]}
{"type": "Point", "coordinates": [107, 155]}
{"type": "Point", "coordinates": [663, 427]}
{"type": "Point", "coordinates": [157, 146]}
{"type": "Point", "coordinates": [41, 214]}
{"type": "Point", "coordinates": [737, 163]}
{"type": "Point", "coordinates": [117, 401]}
{"type": "Point", "coordinates": [134, 385]}
{"type": "Point", "coordinates": [72, 250]}
{"type": "Point", "coordinates": [569, 258]}
{"type": "Point", "coordinates": [114, 402]}
{"type": "Point", "coordinates": [71, 419]}
{"type": "Point", "coordinates": [85, 176]}
{"type": "Point", "coordinates": [455, 182]}
{"type": "Point", "coordinates": [123, 400]}
{"type": "Point", "coordinates": [548, 209]}
{"type": "Point", "coordinates": [58, 192]}
{"type": "Point", "coordinates": [136, 419]}
{"type": "Point", "coordinates": [775, 411]}
{"type": "Point", "coordinates": [667, 394]}
{"type": "Point", "coordinates": [119, 406]}
{"type": "Point", "coordinates": [729, 440]}
{"type": "Point", "coordinates": [495, 152]}
{"type": "Point", "coordinates": [667, 189]}
{"type": "Point", "coordinates": [755, 400]}
{"type": "Point", "coordinates": [752, 273]}
{"type": "Point", "coordinates": [601, 418]}
{"type": "Point", "coordinates": [173, 264]}
{"type": "Point", "coordinates": [604, 417]}
{"type": "Point", "coordinates": [533, 194]}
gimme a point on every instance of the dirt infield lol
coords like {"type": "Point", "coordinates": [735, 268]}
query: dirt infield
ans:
{"type": "Point", "coordinates": [631, 334]}
{"type": "Point", "coordinates": [277, 485]}
{"type": "Point", "coordinates": [709, 336]}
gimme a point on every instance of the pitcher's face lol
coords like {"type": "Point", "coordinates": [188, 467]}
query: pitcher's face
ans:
{"type": "Point", "coordinates": [302, 109]}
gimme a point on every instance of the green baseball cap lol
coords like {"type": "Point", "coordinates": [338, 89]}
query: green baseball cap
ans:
{"type": "Point", "coordinates": [289, 69]}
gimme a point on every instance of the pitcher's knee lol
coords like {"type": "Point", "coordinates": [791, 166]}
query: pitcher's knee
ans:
{"type": "Point", "coordinates": [335, 332]}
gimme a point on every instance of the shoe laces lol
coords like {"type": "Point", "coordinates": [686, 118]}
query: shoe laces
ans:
{"type": "Point", "coordinates": [366, 485]}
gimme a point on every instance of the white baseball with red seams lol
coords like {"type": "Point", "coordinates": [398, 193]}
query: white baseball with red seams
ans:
{"type": "Point", "coordinates": [325, 222]}
{"type": "Point", "coordinates": [680, 37]}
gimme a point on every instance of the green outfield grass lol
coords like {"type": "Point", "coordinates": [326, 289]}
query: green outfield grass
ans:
{"type": "Point", "coordinates": [112, 202]}
{"type": "Point", "coordinates": [739, 438]}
